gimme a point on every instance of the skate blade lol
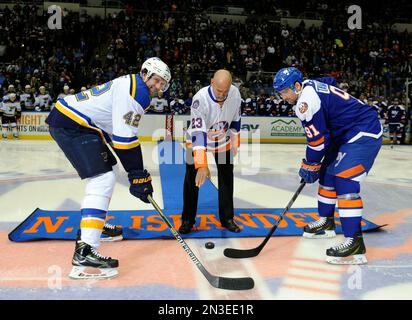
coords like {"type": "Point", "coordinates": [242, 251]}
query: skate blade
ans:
{"type": "Point", "coordinates": [82, 273]}
{"type": "Point", "coordinates": [355, 259]}
{"type": "Point", "coordinates": [111, 239]}
{"type": "Point", "coordinates": [326, 235]}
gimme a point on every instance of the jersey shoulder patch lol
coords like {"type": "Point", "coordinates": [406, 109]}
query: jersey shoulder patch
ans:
{"type": "Point", "coordinates": [308, 104]}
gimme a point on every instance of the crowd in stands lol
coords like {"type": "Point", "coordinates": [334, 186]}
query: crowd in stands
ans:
{"type": "Point", "coordinates": [88, 50]}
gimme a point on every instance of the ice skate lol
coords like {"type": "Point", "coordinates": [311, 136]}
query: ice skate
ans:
{"type": "Point", "coordinates": [89, 264]}
{"type": "Point", "coordinates": [351, 251]}
{"type": "Point", "coordinates": [111, 233]}
{"type": "Point", "coordinates": [324, 227]}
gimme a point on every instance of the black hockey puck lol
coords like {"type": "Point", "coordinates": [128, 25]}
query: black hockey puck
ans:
{"type": "Point", "coordinates": [209, 245]}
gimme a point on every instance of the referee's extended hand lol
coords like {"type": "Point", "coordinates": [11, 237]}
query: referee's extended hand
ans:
{"type": "Point", "coordinates": [201, 175]}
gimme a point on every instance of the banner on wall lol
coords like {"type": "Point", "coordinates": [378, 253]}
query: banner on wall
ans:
{"type": "Point", "coordinates": [32, 125]}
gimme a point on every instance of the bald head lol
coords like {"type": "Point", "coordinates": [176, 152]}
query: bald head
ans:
{"type": "Point", "coordinates": [222, 77]}
{"type": "Point", "coordinates": [221, 82]}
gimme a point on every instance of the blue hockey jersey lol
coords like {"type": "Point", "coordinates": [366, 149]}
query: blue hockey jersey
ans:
{"type": "Point", "coordinates": [330, 115]}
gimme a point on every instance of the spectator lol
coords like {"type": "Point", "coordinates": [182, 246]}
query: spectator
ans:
{"type": "Point", "coordinates": [159, 104]}
{"type": "Point", "coordinates": [177, 106]}
{"type": "Point", "coordinates": [27, 99]}
{"type": "Point", "coordinates": [43, 101]}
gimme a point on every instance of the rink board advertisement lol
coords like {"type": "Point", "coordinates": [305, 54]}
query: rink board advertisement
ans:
{"type": "Point", "coordinates": [256, 129]}
{"type": "Point", "coordinates": [32, 125]}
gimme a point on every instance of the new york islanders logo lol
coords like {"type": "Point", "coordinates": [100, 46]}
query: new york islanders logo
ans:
{"type": "Point", "coordinates": [303, 107]}
{"type": "Point", "coordinates": [218, 131]}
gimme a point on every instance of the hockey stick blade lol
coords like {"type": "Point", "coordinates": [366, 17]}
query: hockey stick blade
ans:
{"type": "Point", "coordinates": [224, 282]}
{"type": "Point", "coordinates": [249, 253]}
{"type": "Point", "coordinates": [217, 282]}
{"type": "Point", "coordinates": [240, 254]}
{"type": "Point", "coordinates": [236, 283]}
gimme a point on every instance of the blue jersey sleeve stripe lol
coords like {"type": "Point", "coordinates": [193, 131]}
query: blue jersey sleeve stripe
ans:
{"type": "Point", "coordinates": [123, 139]}
{"type": "Point", "coordinates": [235, 125]}
{"type": "Point", "coordinates": [199, 139]}
{"type": "Point", "coordinates": [141, 92]}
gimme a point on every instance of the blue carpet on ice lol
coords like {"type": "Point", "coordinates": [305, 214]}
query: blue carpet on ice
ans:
{"type": "Point", "coordinates": [147, 224]}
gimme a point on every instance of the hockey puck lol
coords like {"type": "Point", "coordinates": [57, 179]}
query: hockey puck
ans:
{"type": "Point", "coordinates": [209, 245]}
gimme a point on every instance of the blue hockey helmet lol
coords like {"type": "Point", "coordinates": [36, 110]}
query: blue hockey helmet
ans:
{"type": "Point", "coordinates": [286, 78]}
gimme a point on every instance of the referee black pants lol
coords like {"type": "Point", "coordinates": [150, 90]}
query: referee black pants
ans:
{"type": "Point", "coordinates": [224, 163]}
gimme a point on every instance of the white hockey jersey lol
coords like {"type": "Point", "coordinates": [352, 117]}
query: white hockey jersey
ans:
{"type": "Point", "coordinates": [43, 102]}
{"type": "Point", "coordinates": [159, 104]}
{"type": "Point", "coordinates": [10, 108]}
{"type": "Point", "coordinates": [62, 95]}
{"type": "Point", "coordinates": [27, 100]}
{"type": "Point", "coordinates": [213, 128]}
{"type": "Point", "coordinates": [113, 109]}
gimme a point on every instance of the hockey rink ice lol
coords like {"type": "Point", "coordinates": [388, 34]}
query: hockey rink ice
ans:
{"type": "Point", "coordinates": [36, 174]}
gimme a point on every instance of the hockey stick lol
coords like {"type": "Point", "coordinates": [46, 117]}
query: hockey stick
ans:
{"type": "Point", "coordinates": [217, 282]}
{"type": "Point", "coordinates": [248, 253]}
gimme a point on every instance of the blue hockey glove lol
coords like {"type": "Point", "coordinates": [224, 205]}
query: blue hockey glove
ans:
{"type": "Point", "coordinates": [309, 171]}
{"type": "Point", "coordinates": [140, 184]}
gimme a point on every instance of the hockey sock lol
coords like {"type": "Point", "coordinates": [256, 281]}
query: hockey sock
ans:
{"type": "Point", "coordinates": [351, 225]}
{"type": "Point", "coordinates": [91, 225]}
{"type": "Point", "coordinates": [326, 201]}
{"type": "Point", "coordinates": [94, 207]}
{"type": "Point", "coordinates": [350, 205]}
{"type": "Point", "coordinates": [14, 128]}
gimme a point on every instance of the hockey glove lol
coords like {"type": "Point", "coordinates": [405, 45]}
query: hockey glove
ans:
{"type": "Point", "coordinates": [309, 171]}
{"type": "Point", "coordinates": [140, 184]}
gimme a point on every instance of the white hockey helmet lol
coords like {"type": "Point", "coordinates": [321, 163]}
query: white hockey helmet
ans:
{"type": "Point", "coordinates": [27, 87]}
{"type": "Point", "coordinates": [42, 89]}
{"type": "Point", "coordinates": [156, 66]}
{"type": "Point", "coordinates": [12, 96]}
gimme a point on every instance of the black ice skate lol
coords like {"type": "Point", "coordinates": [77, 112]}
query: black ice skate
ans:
{"type": "Point", "coordinates": [89, 264]}
{"type": "Point", "coordinates": [351, 251]}
{"type": "Point", "coordinates": [322, 228]}
{"type": "Point", "coordinates": [111, 233]}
